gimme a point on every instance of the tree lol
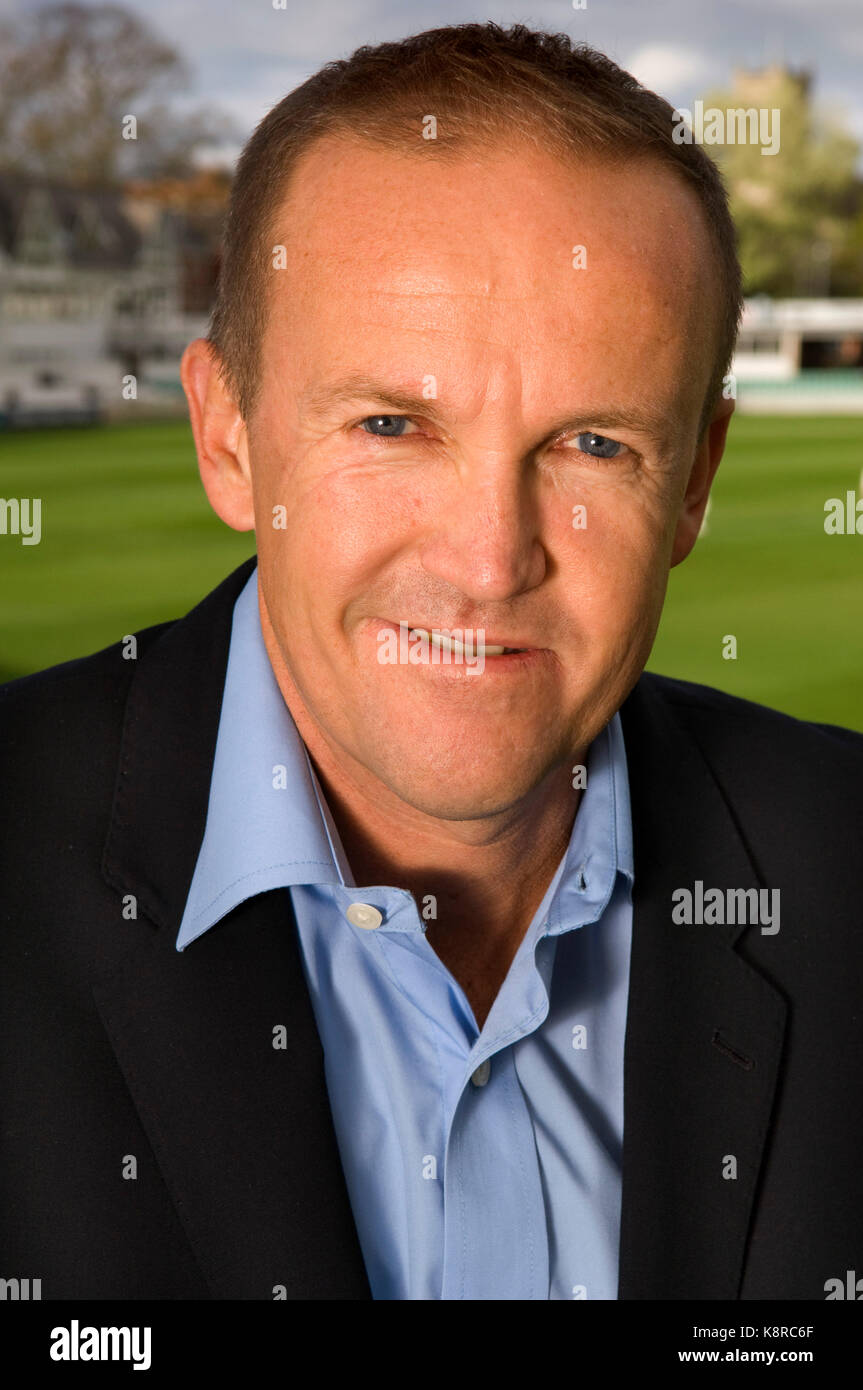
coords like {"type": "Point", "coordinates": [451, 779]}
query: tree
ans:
{"type": "Point", "coordinates": [797, 211]}
{"type": "Point", "coordinates": [71, 76]}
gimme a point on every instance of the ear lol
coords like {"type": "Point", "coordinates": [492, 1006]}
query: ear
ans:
{"type": "Point", "coordinates": [220, 436]}
{"type": "Point", "coordinates": [702, 473]}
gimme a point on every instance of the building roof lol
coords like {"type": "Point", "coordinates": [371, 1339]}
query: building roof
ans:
{"type": "Point", "coordinates": [47, 222]}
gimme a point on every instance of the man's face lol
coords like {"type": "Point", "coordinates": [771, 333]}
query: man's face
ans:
{"type": "Point", "coordinates": [459, 285]}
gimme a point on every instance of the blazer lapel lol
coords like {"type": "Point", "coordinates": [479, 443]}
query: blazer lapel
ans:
{"type": "Point", "coordinates": [704, 1030]}
{"type": "Point", "coordinates": [241, 1127]}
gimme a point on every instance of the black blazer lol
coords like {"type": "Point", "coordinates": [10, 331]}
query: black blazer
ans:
{"type": "Point", "coordinates": [117, 1047]}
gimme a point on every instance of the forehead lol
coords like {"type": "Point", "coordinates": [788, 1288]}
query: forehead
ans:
{"type": "Point", "coordinates": [506, 252]}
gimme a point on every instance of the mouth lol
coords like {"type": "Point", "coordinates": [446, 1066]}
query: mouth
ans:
{"type": "Point", "coordinates": [446, 642]}
{"type": "Point", "coordinates": [450, 654]}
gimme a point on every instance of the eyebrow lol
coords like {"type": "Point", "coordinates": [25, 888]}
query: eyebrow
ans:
{"type": "Point", "coordinates": [354, 387]}
{"type": "Point", "coordinates": [318, 400]}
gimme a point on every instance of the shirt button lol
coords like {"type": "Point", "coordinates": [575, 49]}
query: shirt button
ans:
{"type": "Point", "coordinates": [364, 915]}
{"type": "Point", "coordinates": [482, 1073]}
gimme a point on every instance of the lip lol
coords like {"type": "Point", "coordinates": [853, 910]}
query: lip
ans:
{"type": "Point", "coordinates": [506, 663]}
{"type": "Point", "coordinates": [488, 640]}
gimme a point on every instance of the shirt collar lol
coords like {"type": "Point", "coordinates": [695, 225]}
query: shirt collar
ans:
{"type": "Point", "coordinates": [600, 846]}
{"type": "Point", "coordinates": [268, 824]}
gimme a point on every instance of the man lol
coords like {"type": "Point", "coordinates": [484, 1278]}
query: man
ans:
{"type": "Point", "coordinates": [379, 929]}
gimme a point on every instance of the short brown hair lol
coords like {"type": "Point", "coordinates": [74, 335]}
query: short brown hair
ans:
{"type": "Point", "coordinates": [480, 81]}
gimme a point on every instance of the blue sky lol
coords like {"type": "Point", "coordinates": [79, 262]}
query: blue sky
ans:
{"type": "Point", "coordinates": [245, 55]}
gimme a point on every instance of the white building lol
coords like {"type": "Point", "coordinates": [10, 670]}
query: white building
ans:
{"type": "Point", "coordinates": [90, 293]}
{"type": "Point", "coordinates": [800, 356]}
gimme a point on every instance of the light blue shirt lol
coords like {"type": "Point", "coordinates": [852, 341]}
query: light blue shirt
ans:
{"type": "Point", "coordinates": [480, 1164]}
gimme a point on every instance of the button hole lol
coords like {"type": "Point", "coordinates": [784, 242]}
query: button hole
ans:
{"type": "Point", "coordinates": [728, 1051]}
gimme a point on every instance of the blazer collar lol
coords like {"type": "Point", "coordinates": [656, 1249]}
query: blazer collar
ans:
{"type": "Point", "coordinates": [166, 756]}
{"type": "Point", "coordinates": [218, 1044]}
{"type": "Point", "coordinates": [704, 1029]}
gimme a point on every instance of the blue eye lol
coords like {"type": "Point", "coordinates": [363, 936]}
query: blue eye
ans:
{"type": "Point", "coordinates": [385, 426]}
{"type": "Point", "coordinates": [598, 446]}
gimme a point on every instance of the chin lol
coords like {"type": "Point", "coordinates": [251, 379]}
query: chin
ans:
{"type": "Point", "coordinates": [464, 793]}
{"type": "Point", "coordinates": [451, 807]}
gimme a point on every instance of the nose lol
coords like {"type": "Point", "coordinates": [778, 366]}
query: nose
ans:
{"type": "Point", "coordinates": [487, 542]}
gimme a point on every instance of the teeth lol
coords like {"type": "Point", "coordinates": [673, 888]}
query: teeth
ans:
{"type": "Point", "coordinates": [452, 644]}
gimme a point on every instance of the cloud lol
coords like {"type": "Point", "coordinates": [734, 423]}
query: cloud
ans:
{"type": "Point", "coordinates": [667, 66]}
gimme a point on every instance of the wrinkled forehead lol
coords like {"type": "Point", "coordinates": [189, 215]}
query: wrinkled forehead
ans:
{"type": "Point", "coordinates": [601, 267]}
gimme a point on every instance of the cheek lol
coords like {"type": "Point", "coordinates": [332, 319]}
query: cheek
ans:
{"type": "Point", "coordinates": [327, 534]}
{"type": "Point", "coordinates": [612, 551]}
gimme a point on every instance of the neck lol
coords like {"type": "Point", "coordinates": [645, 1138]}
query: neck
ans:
{"type": "Point", "coordinates": [477, 882]}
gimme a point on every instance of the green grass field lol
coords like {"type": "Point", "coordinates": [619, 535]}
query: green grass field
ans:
{"type": "Point", "coordinates": [128, 539]}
